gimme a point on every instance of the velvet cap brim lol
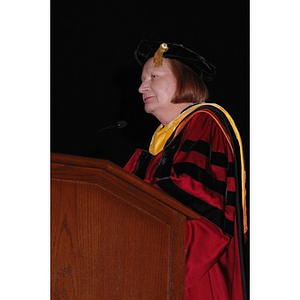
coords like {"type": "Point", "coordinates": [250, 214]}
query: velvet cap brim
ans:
{"type": "Point", "coordinates": [203, 68]}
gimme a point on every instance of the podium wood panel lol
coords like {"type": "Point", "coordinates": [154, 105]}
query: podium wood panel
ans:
{"type": "Point", "coordinates": [112, 235]}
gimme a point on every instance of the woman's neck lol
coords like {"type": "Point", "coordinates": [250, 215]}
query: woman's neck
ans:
{"type": "Point", "coordinates": [175, 110]}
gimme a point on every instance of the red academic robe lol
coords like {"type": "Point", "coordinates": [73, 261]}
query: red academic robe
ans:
{"type": "Point", "coordinates": [197, 167]}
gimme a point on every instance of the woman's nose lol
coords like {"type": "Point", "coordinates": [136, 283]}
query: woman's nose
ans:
{"type": "Point", "coordinates": [143, 87]}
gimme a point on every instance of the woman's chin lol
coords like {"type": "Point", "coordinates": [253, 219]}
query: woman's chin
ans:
{"type": "Point", "coordinates": [148, 108]}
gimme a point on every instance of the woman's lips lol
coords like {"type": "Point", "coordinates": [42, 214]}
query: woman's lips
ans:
{"type": "Point", "coordinates": [147, 98]}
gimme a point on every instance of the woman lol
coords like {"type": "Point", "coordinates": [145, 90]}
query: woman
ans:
{"type": "Point", "coordinates": [195, 156]}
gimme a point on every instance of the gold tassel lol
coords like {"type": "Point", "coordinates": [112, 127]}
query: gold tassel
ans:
{"type": "Point", "coordinates": [158, 56]}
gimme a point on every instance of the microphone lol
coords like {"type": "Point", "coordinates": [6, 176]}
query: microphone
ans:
{"type": "Point", "coordinates": [121, 124]}
{"type": "Point", "coordinates": [118, 125]}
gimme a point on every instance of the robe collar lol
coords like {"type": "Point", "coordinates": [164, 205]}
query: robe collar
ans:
{"type": "Point", "coordinates": [163, 133]}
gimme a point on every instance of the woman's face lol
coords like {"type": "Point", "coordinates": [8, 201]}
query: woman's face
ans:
{"type": "Point", "coordinates": [158, 88]}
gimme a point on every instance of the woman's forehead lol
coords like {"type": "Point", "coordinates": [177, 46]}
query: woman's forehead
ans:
{"type": "Point", "coordinates": [149, 64]}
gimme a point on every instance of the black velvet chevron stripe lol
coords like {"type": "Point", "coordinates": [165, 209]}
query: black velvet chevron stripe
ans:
{"type": "Point", "coordinates": [200, 175]}
{"type": "Point", "coordinates": [230, 198]}
{"type": "Point", "coordinates": [206, 210]}
{"type": "Point", "coordinates": [142, 164]}
{"type": "Point", "coordinates": [231, 170]}
{"type": "Point", "coordinates": [215, 158]}
{"type": "Point", "coordinates": [164, 166]}
{"type": "Point", "coordinates": [199, 146]}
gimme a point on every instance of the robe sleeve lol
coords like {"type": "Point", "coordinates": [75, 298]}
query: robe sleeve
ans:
{"type": "Point", "coordinates": [132, 163]}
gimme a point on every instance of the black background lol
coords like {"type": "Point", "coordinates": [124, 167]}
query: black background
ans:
{"type": "Point", "coordinates": [95, 78]}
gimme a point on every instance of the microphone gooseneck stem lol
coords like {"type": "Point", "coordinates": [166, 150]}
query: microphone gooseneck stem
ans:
{"type": "Point", "coordinates": [118, 125]}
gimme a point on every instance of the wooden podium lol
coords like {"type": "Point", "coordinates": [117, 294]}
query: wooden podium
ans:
{"type": "Point", "coordinates": [113, 236]}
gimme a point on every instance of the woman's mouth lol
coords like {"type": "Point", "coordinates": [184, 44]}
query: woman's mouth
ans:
{"type": "Point", "coordinates": [147, 98]}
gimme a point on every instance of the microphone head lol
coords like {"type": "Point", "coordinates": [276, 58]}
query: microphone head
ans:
{"type": "Point", "coordinates": [121, 124]}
